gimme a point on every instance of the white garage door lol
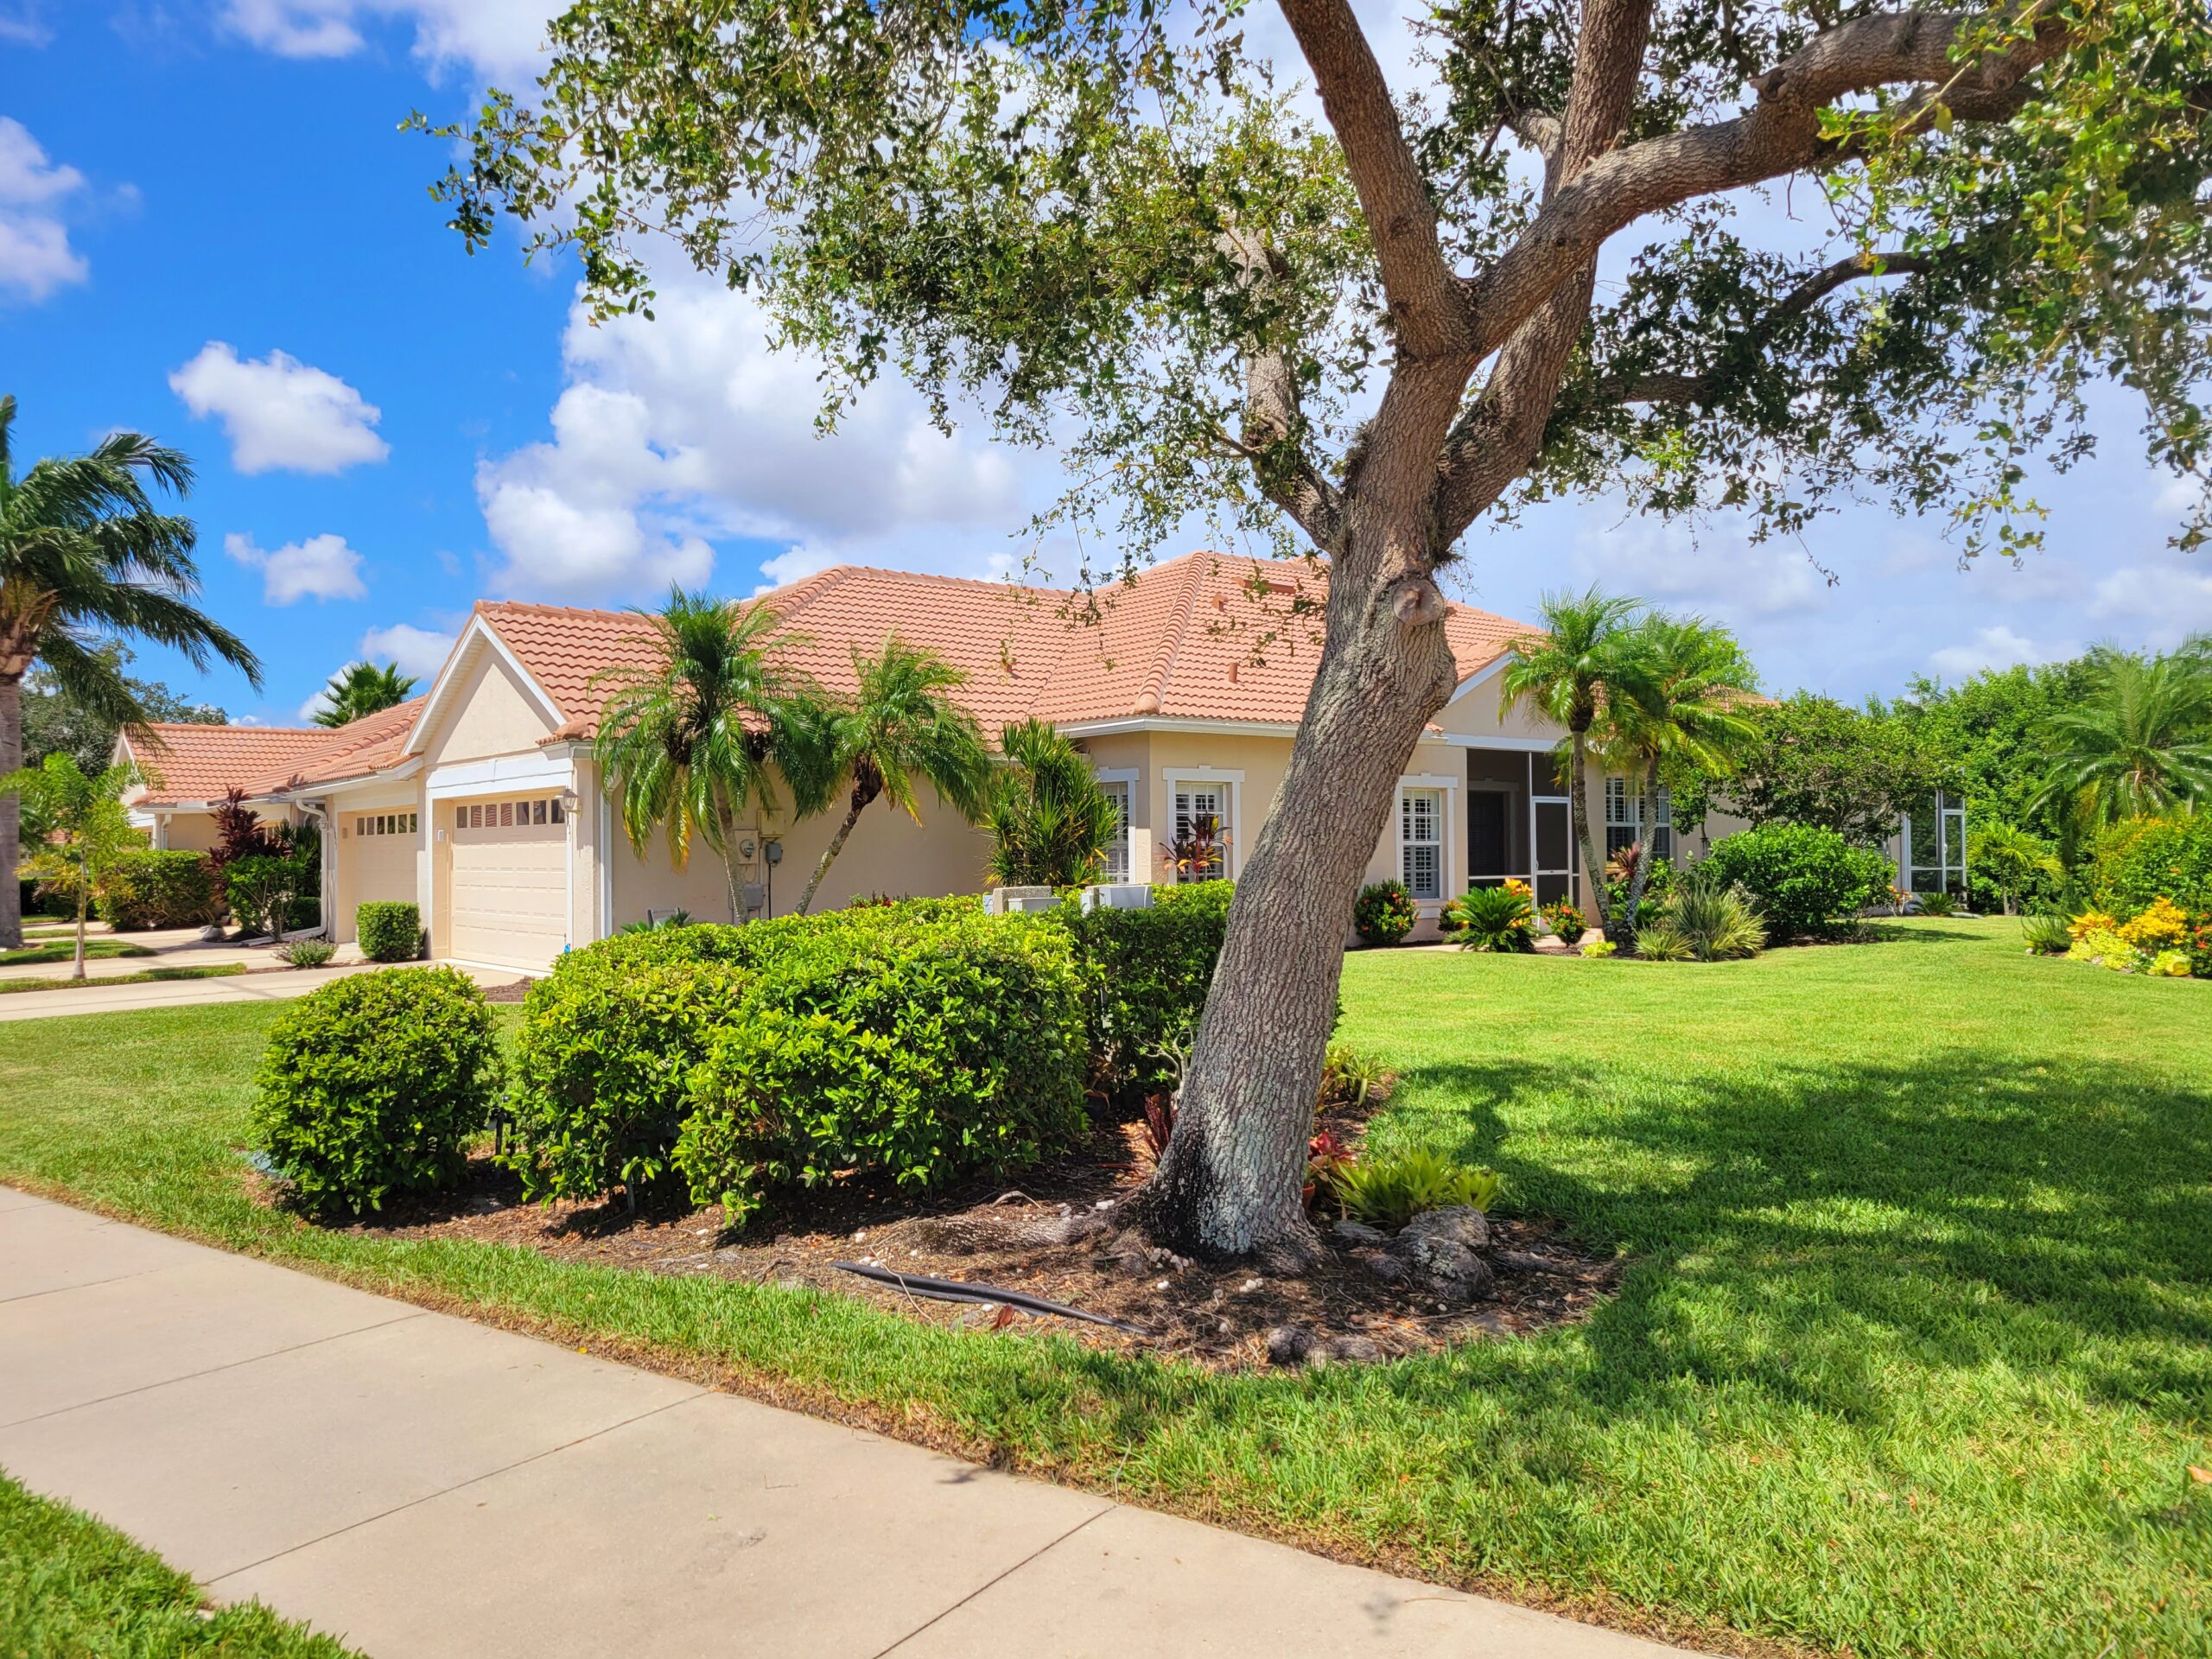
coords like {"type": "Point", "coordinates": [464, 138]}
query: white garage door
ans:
{"type": "Point", "coordinates": [379, 849]}
{"type": "Point", "coordinates": [510, 887]}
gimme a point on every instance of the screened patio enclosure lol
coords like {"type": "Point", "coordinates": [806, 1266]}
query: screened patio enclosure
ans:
{"type": "Point", "coordinates": [1520, 824]}
{"type": "Point", "coordinates": [1932, 846]}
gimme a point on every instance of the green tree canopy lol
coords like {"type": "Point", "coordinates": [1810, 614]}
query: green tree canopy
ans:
{"type": "Point", "coordinates": [55, 721]}
{"type": "Point", "coordinates": [75, 827]}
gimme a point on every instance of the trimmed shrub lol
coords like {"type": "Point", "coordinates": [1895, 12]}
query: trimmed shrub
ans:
{"type": "Point", "coordinates": [2143, 859]}
{"type": "Point", "coordinates": [1145, 977]}
{"type": "Point", "coordinates": [388, 929]}
{"type": "Point", "coordinates": [1383, 913]}
{"type": "Point", "coordinates": [159, 889]}
{"type": "Point", "coordinates": [371, 1086]}
{"type": "Point", "coordinates": [602, 1062]}
{"type": "Point", "coordinates": [1801, 877]}
{"type": "Point", "coordinates": [919, 1049]}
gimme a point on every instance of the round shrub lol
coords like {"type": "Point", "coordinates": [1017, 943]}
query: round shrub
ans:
{"type": "Point", "coordinates": [159, 889]}
{"type": "Point", "coordinates": [922, 1049]}
{"type": "Point", "coordinates": [1383, 913]}
{"type": "Point", "coordinates": [1801, 877]}
{"type": "Point", "coordinates": [1145, 975]}
{"type": "Point", "coordinates": [388, 929]}
{"type": "Point", "coordinates": [373, 1085]}
{"type": "Point", "coordinates": [603, 1059]}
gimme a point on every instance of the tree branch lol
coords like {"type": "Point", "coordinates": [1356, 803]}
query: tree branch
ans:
{"type": "Point", "coordinates": [1273, 439]}
{"type": "Point", "coordinates": [1780, 134]}
{"type": "Point", "coordinates": [1421, 289]}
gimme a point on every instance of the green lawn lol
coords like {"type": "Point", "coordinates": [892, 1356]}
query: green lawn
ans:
{"type": "Point", "coordinates": [70, 1586]}
{"type": "Point", "coordinates": [1914, 1354]}
{"type": "Point", "coordinates": [65, 950]}
{"type": "Point", "coordinates": [63, 982]}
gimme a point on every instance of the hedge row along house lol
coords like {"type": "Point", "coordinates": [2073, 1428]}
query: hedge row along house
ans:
{"type": "Point", "coordinates": [481, 802]}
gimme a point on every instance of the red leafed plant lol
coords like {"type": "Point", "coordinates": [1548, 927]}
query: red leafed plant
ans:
{"type": "Point", "coordinates": [1158, 1123]}
{"type": "Point", "coordinates": [1325, 1156]}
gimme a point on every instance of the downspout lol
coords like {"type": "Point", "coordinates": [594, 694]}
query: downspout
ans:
{"type": "Point", "coordinates": [320, 811]}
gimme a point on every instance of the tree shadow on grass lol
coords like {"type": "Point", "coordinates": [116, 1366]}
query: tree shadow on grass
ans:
{"type": "Point", "coordinates": [1808, 1227]}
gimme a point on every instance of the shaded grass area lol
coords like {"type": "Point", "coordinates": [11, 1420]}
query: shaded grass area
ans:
{"type": "Point", "coordinates": [64, 949]}
{"type": "Point", "coordinates": [1913, 1352]}
{"type": "Point", "coordinates": [70, 1586]}
{"type": "Point", "coordinates": [209, 971]}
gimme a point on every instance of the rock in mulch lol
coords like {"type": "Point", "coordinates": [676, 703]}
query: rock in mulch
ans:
{"type": "Point", "coordinates": [1358, 1232]}
{"type": "Point", "coordinates": [1441, 1250]}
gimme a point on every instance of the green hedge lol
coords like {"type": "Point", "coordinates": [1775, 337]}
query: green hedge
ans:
{"type": "Point", "coordinates": [159, 889]}
{"type": "Point", "coordinates": [2144, 859]}
{"type": "Point", "coordinates": [923, 1047]}
{"type": "Point", "coordinates": [1803, 878]}
{"type": "Point", "coordinates": [373, 1084]}
{"type": "Point", "coordinates": [1145, 977]}
{"type": "Point", "coordinates": [388, 929]}
{"type": "Point", "coordinates": [603, 1058]}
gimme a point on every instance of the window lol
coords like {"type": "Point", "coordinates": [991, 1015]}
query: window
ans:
{"type": "Point", "coordinates": [1201, 851]}
{"type": "Point", "coordinates": [1117, 846]}
{"type": "Point", "coordinates": [1420, 842]}
{"type": "Point", "coordinates": [1624, 818]}
{"type": "Point", "coordinates": [554, 815]}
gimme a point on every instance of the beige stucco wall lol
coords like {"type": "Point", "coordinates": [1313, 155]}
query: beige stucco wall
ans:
{"type": "Point", "coordinates": [492, 714]}
{"type": "Point", "coordinates": [189, 832]}
{"type": "Point", "coordinates": [380, 867]}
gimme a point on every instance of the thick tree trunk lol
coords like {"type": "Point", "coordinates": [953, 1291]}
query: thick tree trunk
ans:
{"type": "Point", "coordinates": [1230, 1183]}
{"type": "Point", "coordinates": [11, 760]}
{"type": "Point", "coordinates": [829, 857]}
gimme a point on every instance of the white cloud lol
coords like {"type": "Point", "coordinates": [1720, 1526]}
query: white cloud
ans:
{"type": "Point", "coordinates": [795, 564]}
{"type": "Point", "coordinates": [1996, 647]}
{"type": "Point", "coordinates": [492, 38]}
{"type": "Point", "coordinates": [687, 428]}
{"type": "Point", "coordinates": [24, 23]}
{"type": "Point", "coordinates": [35, 258]}
{"type": "Point", "coordinates": [419, 652]}
{"type": "Point", "coordinates": [280, 412]}
{"type": "Point", "coordinates": [2161, 602]}
{"type": "Point", "coordinates": [322, 567]}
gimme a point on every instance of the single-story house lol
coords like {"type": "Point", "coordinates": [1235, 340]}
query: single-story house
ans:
{"type": "Point", "coordinates": [481, 801]}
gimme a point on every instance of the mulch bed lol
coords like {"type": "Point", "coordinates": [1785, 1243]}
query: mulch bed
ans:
{"type": "Point", "coordinates": [1005, 1234]}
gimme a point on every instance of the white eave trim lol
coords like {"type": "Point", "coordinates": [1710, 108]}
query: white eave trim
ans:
{"type": "Point", "coordinates": [457, 661]}
{"type": "Point", "coordinates": [1511, 745]}
{"type": "Point", "coordinates": [1482, 676]}
{"type": "Point", "coordinates": [1170, 723]}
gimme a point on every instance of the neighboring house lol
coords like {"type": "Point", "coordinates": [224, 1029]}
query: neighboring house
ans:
{"type": "Point", "coordinates": [481, 801]}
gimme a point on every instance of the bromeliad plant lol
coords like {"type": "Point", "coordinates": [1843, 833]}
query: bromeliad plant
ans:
{"type": "Point", "coordinates": [1390, 1192]}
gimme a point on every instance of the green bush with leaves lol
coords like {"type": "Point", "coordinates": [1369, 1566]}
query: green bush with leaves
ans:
{"type": "Point", "coordinates": [388, 929]}
{"type": "Point", "coordinates": [307, 953]}
{"type": "Point", "coordinates": [1715, 920]}
{"type": "Point", "coordinates": [2046, 936]}
{"type": "Point", "coordinates": [1802, 878]}
{"type": "Point", "coordinates": [1145, 974]}
{"type": "Point", "coordinates": [2142, 860]}
{"type": "Point", "coordinates": [151, 888]}
{"type": "Point", "coordinates": [1383, 913]}
{"type": "Point", "coordinates": [1664, 942]}
{"type": "Point", "coordinates": [373, 1085]}
{"type": "Point", "coordinates": [1491, 918]}
{"type": "Point", "coordinates": [918, 1050]}
{"type": "Point", "coordinates": [1390, 1192]}
{"type": "Point", "coordinates": [602, 1061]}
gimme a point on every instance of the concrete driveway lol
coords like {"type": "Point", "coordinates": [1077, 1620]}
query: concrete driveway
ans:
{"type": "Point", "coordinates": [420, 1485]}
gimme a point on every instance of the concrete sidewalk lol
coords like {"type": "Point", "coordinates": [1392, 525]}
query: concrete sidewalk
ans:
{"type": "Point", "coordinates": [93, 997]}
{"type": "Point", "coordinates": [422, 1486]}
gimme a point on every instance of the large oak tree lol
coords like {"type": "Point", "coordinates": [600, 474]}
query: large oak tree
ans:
{"type": "Point", "coordinates": [1105, 223]}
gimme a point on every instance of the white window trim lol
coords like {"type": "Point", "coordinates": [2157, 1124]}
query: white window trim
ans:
{"type": "Point", "coordinates": [1128, 778]}
{"type": "Point", "coordinates": [1444, 787]}
{"type": "Point", "coordinates": [1170, 776]}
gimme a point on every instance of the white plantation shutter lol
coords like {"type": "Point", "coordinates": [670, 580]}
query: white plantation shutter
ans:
{"type": "Point", "coordinates": [1195, 803]}
{"type": "Point", "coordinates": [1117, 847]}
{"type": "Point", "coordinates": [1421, 838]}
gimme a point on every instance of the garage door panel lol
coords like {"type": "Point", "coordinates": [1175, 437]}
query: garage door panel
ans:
{"type": "Point", "coordinates": [510, 892]}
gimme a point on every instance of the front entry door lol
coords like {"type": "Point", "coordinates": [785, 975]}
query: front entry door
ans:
{"type": "Point", "coordinates": [1551, 832]}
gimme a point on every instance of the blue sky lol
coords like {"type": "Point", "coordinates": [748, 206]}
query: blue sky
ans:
{"type": "Point", "coordinates": [210, 230]}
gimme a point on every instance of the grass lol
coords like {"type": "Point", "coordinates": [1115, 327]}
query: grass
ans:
{"type": "Point", "coordinates": [65, 950]}
{"type": "Point", "coordinates": [69, 1584]}
{"type": "Point", "coordinates": [211, 970]}
{"type": "Point", "coordinates": [1913, 1354]}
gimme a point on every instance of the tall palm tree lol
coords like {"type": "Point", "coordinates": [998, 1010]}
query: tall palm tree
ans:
{"type": "Point", "coordinates": [84, 553]}
{"type": "Point", "coordinates": [2138, 744]}
{"type": "Point", "coordinates": [1684, 705]}
{"type": "Point", "coordinates": [901, 725]}
{"type": "Point", "coordinates": [689, 740]}
{"type": "Point", "coordinates": [361, 689]}
{"type": "Point", "coordinates": [1566, 672]}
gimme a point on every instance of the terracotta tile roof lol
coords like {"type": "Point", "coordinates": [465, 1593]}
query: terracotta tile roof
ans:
{"type": "Point", "coordinates": [1203, 637]}
{"type": "Point", "coordinates": [198, 763]}
{"type": "Point", "coordinates": [353, 750]}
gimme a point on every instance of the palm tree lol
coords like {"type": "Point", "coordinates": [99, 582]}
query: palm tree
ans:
{"type": "Point", "coordinates": [1567, 673]}
{"type": "Point", "coordinates": [2136, 746]}
{"type": "Point", "coordinates": [689, 740]}
{"type": "Point", "coordinates": [78, 827]}
{"type": "Point", "coordinates": [1683, 704]}
{"type": "Point", "coordinates": [83, 554]}
{"type": "Point", "coordinates": [901, 725]}
{"type": "Point", "coordinates": [2014, 857]}
{"type": "Point", "coordinates": [1050, 820]}
{"type": "Point", "coordinates": [363, 688]}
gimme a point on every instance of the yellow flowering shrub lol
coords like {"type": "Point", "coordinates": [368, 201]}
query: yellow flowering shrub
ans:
{"type": "Point", "coordinates": [2170, 964]}
{"type": "Point", "coordinates": [2163, 923]}
{"type": "Point", "coordinates": [2089, 921]}
{"type": "Point", "coordinates": [2107, 947]}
